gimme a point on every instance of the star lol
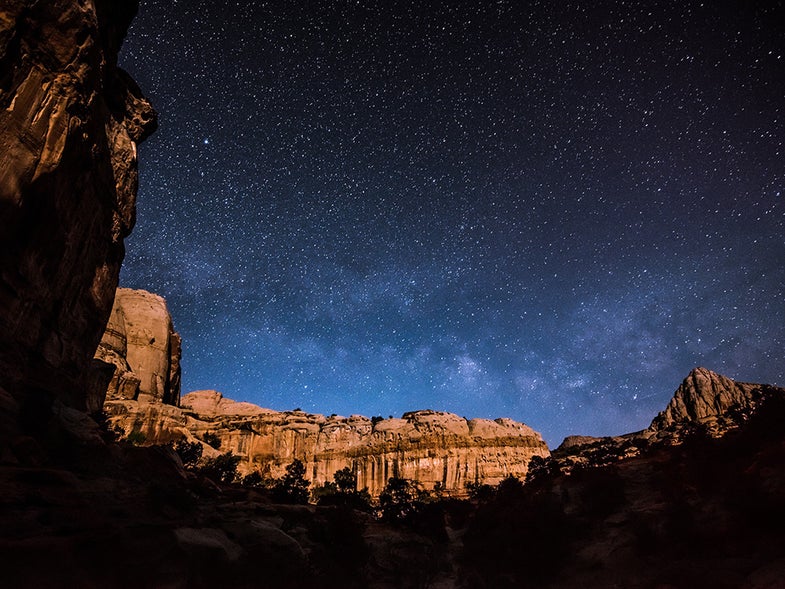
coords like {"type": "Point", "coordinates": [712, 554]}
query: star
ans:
{"type": "Point", "coordinates": [491, 210]}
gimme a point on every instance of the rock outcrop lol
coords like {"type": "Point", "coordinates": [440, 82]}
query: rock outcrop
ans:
{"type": "Point", "coordinates": [429, 446]}
{"type": "Point", "coordinates": [705, 396]}
{"type": "Point", "coordinates": [70, 121]}
{"type": "Point", "coordinates": [140, 342]}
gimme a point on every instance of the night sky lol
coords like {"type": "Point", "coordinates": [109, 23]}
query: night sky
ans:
{"type": "Point", "coordinates": [549, 211]}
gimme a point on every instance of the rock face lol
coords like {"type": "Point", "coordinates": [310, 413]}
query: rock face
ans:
{"type": "Point", "coordinates": [70, 121]}
{"type": "Point", "coordinates": [141, 343]}
{"type": "Point", "coordinates": [705, 396]}
{"type": "Point", "coordinates": [428, 446]}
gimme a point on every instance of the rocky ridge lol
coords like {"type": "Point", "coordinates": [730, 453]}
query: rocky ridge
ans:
{"type": "Point", "coordinates": [70, 121]}
{"type": "Point", "coordinates": [708, 398]}
{"type": "Point", "coordinates": [428, 446]}
{"type": "Point", "coordinates": [143, 400]}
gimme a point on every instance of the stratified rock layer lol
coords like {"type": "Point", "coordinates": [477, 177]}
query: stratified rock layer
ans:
{"type": "Point", "coordinates": [70, 121]}
{"type": "Point", "coordinates": [429, 446]}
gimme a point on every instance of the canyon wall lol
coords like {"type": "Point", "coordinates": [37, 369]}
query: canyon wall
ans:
{"type": "Point", "coordinates": [143, 400]}
{"type": "Point", "coordinates": [70, 122]}
{"type": "Point", "coordinates": [429, 446]}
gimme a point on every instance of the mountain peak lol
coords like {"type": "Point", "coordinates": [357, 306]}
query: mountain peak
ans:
{"type": "Point", "coordinates": [704, 395]}
{"type": "Point", "coordinates": [700, 371]}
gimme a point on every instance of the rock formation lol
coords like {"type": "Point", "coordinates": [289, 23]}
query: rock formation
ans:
{"type": "Point", "coordinates": [70, 121]}
{"type": "Point", "coordinates": [428, 446]}
{"type": "Point", "coordinates": [143, 397]}
{"type": "Point", "coordinates": [704, 396]}
{"type": "Point", "coordinates": [704, 399]}
{"type": "Point", "coordinates": [140, 342]}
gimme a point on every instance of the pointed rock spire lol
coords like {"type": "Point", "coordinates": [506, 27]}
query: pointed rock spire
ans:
{"type": "Point", "coordinates": [703, 395]}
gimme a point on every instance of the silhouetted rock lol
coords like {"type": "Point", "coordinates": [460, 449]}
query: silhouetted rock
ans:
{"type": "Point", "coordinates": [70, 121]}
{"type": "Point", "coordinates": [702, 513]}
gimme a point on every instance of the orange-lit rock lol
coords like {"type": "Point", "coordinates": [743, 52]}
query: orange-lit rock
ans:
{"type": "Point", "coordinates": [428, 446]}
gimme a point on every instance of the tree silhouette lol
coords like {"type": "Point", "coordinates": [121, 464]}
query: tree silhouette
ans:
{"type": "Point", "coordinates": [293, 487]}
{"type": "Point", "coordinates": [346, 480]}
{"type": "Point", "coordinates": [221, 469]}
{"type": "Point", "coordinates": [400, 499]}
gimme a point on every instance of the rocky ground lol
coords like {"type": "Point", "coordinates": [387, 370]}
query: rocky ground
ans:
{"type": "Point", "coordinates": [703, 513]}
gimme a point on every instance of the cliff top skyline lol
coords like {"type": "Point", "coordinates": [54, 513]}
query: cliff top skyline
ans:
{"type": "Point", "coordinates": [487, 209]}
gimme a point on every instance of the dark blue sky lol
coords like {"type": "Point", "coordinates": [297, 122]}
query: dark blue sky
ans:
{"type": "Point", "coordinates": [547, 211]}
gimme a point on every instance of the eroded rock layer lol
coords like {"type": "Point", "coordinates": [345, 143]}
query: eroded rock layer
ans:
{"type": "Point", "coordinates": [70, 121]}
{"type": "Point", "coordinates": [429, 446]}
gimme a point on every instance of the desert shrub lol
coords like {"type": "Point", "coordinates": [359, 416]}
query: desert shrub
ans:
{"type": "Point", "coordinates": [256, 480]}
{"type": "Point", "coordinates": [321, 493]}
{"type": "Point", "coordinates": [345, 480]}
{"type": "Point", "coordinates": [401, 499]}
{"type": "Point", "coordinates": [541, 469]}
{"type": "Point", "coordinates": [190, 453]}
{"type": "Point", "coordinates": [511, 487]}
{"type": "Point", "coordinates": [343, 492]}
{"type": "Point", "coordinates": [480, 491]}
{"type": "Point", "coordinates": [136, 437]}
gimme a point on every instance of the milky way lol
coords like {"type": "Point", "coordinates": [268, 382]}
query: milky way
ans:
{"type": "Point", "coordinates": [550, 211]}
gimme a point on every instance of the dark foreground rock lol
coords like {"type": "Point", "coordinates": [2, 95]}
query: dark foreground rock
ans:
{"type": "Point", "coordinates": [70, 121]}
{"type": "Point", "coordinates": [703, 513]}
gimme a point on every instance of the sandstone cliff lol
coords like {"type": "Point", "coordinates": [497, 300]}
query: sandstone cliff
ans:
{"type": "Point", "coordinates": [429, 446]}
{"type": "Point", "coordinates": [140, 342]}
{"type": "Point", "coordinates": [143, 398]}
{"type": "Point", "coordinates": [70, 121]}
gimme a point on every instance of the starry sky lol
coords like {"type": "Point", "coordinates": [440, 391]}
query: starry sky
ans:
{"type": "Point", "coordinates": [549, 211]}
